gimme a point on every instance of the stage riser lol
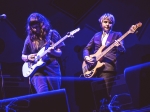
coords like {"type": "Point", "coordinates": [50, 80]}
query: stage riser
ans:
{"type": "Point", "coordinates": [138, 81]}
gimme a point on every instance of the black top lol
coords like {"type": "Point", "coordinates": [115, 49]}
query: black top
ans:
{"type": "Point", "coordinates": [52, 66]}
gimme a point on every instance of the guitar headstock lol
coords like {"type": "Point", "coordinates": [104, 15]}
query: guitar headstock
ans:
{"type": "Point", "coordinates": [133, 28]}
{"type": "Point", "coordinates": [70, 34]}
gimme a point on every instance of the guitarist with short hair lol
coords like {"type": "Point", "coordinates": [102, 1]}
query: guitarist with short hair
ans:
{"type": "Point", "coordinates": [104, 38]}
{"type": "Point", "coordinates": [39, 35]}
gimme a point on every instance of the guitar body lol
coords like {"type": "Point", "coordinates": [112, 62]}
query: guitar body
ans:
{"type": "Point", "coordinates": [28, 68]}
{"type": "Point", "coordinates": [91, 73]}
{"type": "Point", "coordinates": [88, 70]}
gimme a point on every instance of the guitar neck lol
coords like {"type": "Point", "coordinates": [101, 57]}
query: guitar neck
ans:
{"type": "Point", "coordinates": [111, 46]}
{"type": "Point", "coordinates": [61, 40]}
{"type": "Point", "coordinates": [57, 43]}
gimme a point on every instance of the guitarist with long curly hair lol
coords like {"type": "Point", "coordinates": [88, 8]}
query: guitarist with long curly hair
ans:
{"type": "Point", "coordinates": [40, 35]}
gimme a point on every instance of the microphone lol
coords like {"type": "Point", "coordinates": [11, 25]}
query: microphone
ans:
{"type": "Point", "coordinates": [3, 16]}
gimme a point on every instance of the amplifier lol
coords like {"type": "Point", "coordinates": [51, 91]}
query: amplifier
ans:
{"type": "Point", "coordinates": [99, 89]}
{"type": "Point", "coordinates": [14, 86]}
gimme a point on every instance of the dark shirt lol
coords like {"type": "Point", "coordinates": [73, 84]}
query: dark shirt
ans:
{"type": "Point", "coordinates": [52, 65]}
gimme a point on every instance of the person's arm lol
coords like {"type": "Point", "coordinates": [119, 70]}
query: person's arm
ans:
{"type": "Point", "coordinates": [30, 57]}
{"type": "Point", "coordinates": [56, 52]}
{"type": "Point", "coordinates": [26, 54]}
{"type": "Point", "coordinates": [24, 57]}
{"type": "Point", "coordinates": [120, 45]}
{"type": "Point", "coordinates": [54, 38]}
{"type": "Point", "coordinates": [86, 51]}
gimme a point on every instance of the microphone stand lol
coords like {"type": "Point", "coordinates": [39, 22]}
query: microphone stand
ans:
{"type": "Point", "coordinates": [2, 83]}
{"type": "Point", "coordinates": [4, 17]}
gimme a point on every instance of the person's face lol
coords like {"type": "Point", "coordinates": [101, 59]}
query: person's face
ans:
{"type": "Point", "coordinates": [35, 27]}
{"type": "Point", "coordinates": [106, 25]}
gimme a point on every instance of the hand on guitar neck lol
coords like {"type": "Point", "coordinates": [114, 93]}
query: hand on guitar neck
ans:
{"type": "Point", "coordinates": [132, 30]}
{"type": "Point", "coordinates": [134, 27]}
{"type": "Point", "coordinates": [31, 57]}
{"type": "Point", "coordinates": [51, 49]}
{"type": "Point", "coordinates": [118, 43]}
{"type": "Point", "coordinates": [56, 52]}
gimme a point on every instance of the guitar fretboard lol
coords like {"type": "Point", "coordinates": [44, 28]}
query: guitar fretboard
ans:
{"type": "Point", "coordinates": [111, 46]}
{"type": "Point", "coordinates": [57, 43]}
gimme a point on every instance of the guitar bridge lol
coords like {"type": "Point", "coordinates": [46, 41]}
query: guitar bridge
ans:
{"type": "Point", "coordinates": [89, 74]}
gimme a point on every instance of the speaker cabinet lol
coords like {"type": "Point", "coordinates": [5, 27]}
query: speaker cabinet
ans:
{"type": "Point", "coordinates": [89, 91]}
{"type": "Point", "coordinates": [83, 94]}
{"type": "Point", "coordinates": [52, 101]}
{"type": "Point", "coordinates": [99, 89]}
{"type": "Point", "coordinates": [138, 82]}
{"type": "Point", "coordinates": [14, 86]}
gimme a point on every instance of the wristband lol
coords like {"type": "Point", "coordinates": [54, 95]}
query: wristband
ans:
{"type": "Point", "coordinates": [85, 58]}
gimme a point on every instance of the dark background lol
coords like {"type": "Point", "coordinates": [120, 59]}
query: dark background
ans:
{"type": "Point", "coordinates": [65, 16]}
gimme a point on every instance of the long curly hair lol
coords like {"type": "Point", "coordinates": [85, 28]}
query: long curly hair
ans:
{"type": "Point", "coordinates": [44, 27]}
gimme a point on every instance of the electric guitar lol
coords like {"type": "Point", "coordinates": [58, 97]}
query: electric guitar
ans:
{"type": "Point", "coordinates": [89, 70]}
{"type": "Point", "coordinates": [29, 68]}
